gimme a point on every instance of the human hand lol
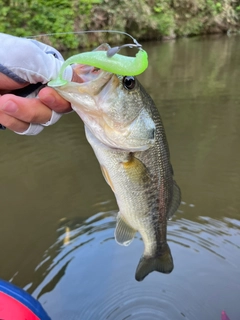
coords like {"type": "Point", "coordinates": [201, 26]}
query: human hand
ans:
{"type": "Point", "coordinates": [17, 113]}
{"type": "Point", "coordinates": [31, 62]}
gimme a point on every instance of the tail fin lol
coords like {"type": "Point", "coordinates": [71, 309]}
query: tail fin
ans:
{"type": "Point", "coordinates": [163, 262]}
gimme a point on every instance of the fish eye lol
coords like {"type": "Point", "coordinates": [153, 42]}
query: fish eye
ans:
{"type": "Point", "coordinates": [129, 82]}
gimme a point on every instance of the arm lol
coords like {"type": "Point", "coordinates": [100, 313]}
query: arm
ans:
{"type": "Point", "coordinates": [23, 61]}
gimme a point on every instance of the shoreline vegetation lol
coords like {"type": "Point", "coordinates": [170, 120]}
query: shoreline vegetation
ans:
{"type": "Point", "coordinates": [144, 20]}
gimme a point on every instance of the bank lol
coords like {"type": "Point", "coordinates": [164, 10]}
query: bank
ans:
{"type": "Point", "coordinates": [145, 20]}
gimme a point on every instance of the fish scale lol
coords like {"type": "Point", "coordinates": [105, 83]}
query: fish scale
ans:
{"type": "Point", "coordinates": [125, 130]}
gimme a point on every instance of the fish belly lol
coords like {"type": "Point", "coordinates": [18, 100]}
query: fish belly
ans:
{"type": "Point", "coordinates": [126, 179]}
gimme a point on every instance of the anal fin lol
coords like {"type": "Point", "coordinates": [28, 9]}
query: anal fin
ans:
{"type": "Point", "coordinates": [124, 233]}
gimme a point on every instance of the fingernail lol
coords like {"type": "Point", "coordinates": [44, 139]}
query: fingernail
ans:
{"type": "Point", "coordinates": [9, 107]}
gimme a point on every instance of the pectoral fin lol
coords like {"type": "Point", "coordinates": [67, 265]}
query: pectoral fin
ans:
{"type": "Point", "coordinates": [136, 170]}
{"type": "Point", "coordinates": [124, 233]}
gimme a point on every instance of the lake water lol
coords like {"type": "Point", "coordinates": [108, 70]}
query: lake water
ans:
{"type": "Point", "coordinates": [58, 214]}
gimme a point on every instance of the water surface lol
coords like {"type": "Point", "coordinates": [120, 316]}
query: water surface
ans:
{"type": "Point", "coordinates": [58, 214]}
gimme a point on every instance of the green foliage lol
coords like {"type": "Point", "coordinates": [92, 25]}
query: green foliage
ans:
{"type": "Point", "coordinates": [144, 19]}
{"type": "Point", "coordinates": [219, 7]}
{"type": "Point", "coordinates": [25, 18]}
{"type": "Point", "coordinates": [35, 17]}
{"type": "Point", "coordinates": [192, 26]}
{"type": "Point", "coordinates": [164, 17]}
{"type": "Point", "coordinates": [166, 23]}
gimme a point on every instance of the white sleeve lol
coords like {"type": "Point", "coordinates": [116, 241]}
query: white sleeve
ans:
{"type": "Point", "coordinates": [26, 60]}
{"type": "Point", "coordinates": [30, 61]}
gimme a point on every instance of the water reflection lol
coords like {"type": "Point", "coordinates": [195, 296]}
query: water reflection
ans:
{"type": "Point", "coordinates": [57, 247]}
{"type": "Point", "coordinates": [90, 277]}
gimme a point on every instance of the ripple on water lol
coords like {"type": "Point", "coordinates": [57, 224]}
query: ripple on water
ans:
{"type": "Point", "coordinates": [86, 275]}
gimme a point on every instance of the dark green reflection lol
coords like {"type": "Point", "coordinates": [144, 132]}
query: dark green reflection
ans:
{"type": "Point", "coordinates": [55, 176]}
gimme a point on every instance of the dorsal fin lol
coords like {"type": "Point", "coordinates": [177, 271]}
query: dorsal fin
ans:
{"type": "Point", "coordinates": [176, 200]}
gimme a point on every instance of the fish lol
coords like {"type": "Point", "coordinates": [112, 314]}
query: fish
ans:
{"type": "Point", "coordinates": [125, 130]}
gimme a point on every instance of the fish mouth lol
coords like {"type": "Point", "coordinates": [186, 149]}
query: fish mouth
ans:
{"type": "Point", "coordinates": [89, 80]}
{"type": "Point", "coordinates": [85, 74]}
{"type": "Point", "coordinates": [98, 97]}
{"type": "Point", "coordinates": [86, 84]}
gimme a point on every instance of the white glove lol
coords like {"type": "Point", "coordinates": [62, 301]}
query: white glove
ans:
{"type": "Point", "coordinates": [30, 61]}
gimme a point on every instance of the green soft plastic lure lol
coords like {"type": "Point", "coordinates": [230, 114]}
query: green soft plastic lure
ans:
{"type": "Point", "coordinates": [108, 61]}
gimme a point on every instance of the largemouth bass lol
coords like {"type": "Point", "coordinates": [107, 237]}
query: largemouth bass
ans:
{"type": "Point", "coordinates": [124, 128]}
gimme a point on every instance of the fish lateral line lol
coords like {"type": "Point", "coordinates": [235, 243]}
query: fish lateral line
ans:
{"type": "Point", "coordinates": [114, 63]}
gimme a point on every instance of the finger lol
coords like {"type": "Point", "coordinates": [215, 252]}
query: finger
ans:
{"type": "Point", "coordinates": [13, 123]}
{"type": "Point", "coordinates": [53, 100]}
{"type": "Point", "coordinates": [24, 109]}
{"type": "Point", "coordinates": [7, 84]}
